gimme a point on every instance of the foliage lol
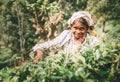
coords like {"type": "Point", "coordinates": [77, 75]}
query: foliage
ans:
{"type": "Point", "coordinates": [67, 68]}
{"type": "Point", "coordinates": [5, 57]}
{"type": "Point", "coordinates": [16, 31]}
{"type": "Point", "coordinates": [104, 9]}
{"type": "Point", "coordinates": [112, 27]}
{"type": "Point", "coordinates": [18, 19]}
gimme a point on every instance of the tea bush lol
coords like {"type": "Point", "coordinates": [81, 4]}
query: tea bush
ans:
{"type": "Point", "coordinates": [67, 68]}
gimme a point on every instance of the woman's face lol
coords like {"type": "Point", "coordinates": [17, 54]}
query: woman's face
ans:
{"type": "Point", "coordinates": [79, 30]}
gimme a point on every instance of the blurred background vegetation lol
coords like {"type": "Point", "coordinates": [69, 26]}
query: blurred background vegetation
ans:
{"type": "Point", "coordinates": [23, 23]}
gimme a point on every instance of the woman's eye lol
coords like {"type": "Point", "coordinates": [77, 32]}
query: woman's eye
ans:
{"type": "Point", "coordinates": [82, 28]}
{"type": "Point", "coordinates": [75, 27]}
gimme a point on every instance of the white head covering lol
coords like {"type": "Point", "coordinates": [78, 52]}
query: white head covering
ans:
{"type": "Point", "coordinates": [80, 14]}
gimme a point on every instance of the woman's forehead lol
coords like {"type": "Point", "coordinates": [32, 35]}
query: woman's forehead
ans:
{"type": "Point", "coordinates": [78, 24]}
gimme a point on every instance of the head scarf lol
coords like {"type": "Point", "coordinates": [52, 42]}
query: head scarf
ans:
{"type": "Point", "coordinates": [82, 14]}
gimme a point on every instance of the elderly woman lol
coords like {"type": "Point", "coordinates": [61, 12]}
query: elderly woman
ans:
{"type": "Point", "coordinates": [76, 39]}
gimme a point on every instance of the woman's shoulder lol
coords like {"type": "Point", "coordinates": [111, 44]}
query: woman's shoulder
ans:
{"type": "Point", "coordinates": [94, 39]}
{"type": "Point", "coordinates": [63, 35]}
{"type": "Point", "coordinates": [66, 31]}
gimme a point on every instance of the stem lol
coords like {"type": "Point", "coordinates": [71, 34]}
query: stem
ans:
{"type": "Point", "coordinates": [20, 26]}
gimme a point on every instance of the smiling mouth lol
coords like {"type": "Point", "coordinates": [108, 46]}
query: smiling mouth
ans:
{"type": "Point", "coordinates": [78, 35]}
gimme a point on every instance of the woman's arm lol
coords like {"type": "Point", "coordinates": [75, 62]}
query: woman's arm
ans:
{"type": "Point", "coordinates": [57, 42]}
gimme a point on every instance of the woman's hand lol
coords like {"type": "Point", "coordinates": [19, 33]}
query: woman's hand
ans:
{"type": "Point", "coordinates": [38, 56]}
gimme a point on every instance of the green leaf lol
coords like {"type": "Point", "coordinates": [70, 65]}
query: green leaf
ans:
{"type": "Point", "coordinates": [56, 77]}
{"type": "Point", "coordinates": [31, 54]}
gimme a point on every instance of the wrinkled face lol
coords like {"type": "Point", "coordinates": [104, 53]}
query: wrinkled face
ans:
{"type": "Point", "coordinates": [79, 30]}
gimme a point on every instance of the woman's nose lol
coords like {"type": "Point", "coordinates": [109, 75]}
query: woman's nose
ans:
{"type": "Point", "coordinates": [78, 31]}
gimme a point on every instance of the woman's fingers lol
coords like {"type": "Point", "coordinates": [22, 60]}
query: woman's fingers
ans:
{"type": "Point", "coordinates": [39, 56]}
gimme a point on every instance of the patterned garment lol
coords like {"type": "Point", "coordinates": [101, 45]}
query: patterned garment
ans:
{"type": "Point", "coordinates": [65, 43]}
